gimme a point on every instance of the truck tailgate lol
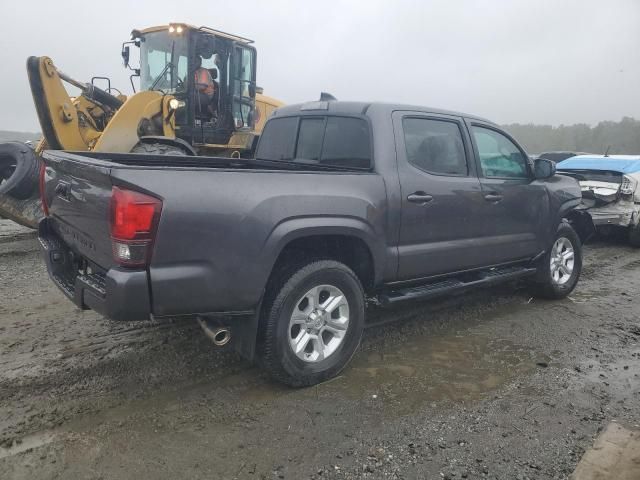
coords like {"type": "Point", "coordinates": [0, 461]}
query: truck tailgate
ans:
{"type": "Point", "coordinates": [78, 198]}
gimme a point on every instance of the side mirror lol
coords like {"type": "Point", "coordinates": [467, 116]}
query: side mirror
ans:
{"type": "Point", "coordinates": [543, 168]}
{"type": "Point", "coordinates": [125, 55]}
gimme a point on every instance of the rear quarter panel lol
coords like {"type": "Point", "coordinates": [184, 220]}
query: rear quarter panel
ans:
{"type": "Point", "coordinates": [221, 230]}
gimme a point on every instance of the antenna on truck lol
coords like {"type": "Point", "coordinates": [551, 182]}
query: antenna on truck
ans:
{"type": "Point", "coordinates": [606, 153]}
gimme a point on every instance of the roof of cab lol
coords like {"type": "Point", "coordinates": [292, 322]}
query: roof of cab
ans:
{"type": "Point", "coordinates": [338, 107]}
{"type": "Point", "coordinates": [219, 33]}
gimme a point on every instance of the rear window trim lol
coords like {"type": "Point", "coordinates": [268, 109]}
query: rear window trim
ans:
{"type": "Point", "coordinates": [326, 116]}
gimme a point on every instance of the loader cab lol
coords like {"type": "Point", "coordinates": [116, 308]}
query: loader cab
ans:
{"type": "Point", "coordinates": [168, 60]}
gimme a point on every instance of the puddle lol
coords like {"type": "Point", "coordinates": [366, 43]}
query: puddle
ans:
{"type": "Point", "coordinates": [445, 368]}
{"type": "Point", "coordinates": [27, 443]}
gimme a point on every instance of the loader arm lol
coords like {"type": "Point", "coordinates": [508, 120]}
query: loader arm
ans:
{"type": "Point", "coordinates": [94, 120]}
{"type": "Point", "coordinates": [57, 115]}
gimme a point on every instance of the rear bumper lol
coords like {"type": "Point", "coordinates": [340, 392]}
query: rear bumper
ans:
{"type": "Point", "coordinates": [618, 214]}
{"type": "Point", "coordinates": [118, 294]}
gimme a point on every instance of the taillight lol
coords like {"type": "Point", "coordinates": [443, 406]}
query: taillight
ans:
{"type": "Point", "coordinates": [43, 199]}
{"type": "Point", "coordinates": [134, 218]}
{"type": "Point", "coordinates": [628, 185]}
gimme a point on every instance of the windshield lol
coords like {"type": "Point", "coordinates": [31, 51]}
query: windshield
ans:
{"type": "Point", "coordinates": [163, 62]}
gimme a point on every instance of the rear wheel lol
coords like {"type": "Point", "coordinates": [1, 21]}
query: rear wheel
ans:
{"type": "Point", "coordinates": [559, 269]}
{"type": "Point", "coordinates": [157, 149]}
{"type": "Point", "coordinates": [313, 323]}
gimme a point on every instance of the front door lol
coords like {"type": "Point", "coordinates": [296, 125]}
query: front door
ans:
{"type": "Point", "coordinates": [441, 196]}
{"type": "Point", "coordinates": [515, 204]}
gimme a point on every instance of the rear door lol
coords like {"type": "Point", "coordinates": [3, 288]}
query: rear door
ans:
{"type": "Point", "coordinates": [441, 195]}
{"type": "Point", "coordinates": [515, 207]}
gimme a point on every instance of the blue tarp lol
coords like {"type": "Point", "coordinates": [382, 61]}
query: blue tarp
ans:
{"type": "Point", "coordinates": [615, 163]}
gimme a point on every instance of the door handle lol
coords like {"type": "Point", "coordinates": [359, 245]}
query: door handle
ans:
{"type": "Point", "coordinates": [420, 198]}
{"type": "Point", "coordinates": [493, 197]}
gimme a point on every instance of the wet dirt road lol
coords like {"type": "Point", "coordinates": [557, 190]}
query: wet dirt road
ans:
{"type": "Point", "coordinates": [491, 384]}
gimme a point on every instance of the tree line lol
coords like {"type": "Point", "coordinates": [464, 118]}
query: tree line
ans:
{"type": "Point", "coordinates": [621, 137]}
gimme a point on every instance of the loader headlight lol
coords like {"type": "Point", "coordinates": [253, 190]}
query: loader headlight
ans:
{"type": "Point", "coordinates": [628, 185]}
{"type": "Point", "coordinates": [176, 29]}
{"type": "Point", "coordinates": [175, 104]}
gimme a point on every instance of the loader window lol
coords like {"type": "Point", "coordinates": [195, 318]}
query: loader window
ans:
{"type": "Point", "coordinates": [163, 62]}
{"type": "Point", "coordinates": [244, 86]}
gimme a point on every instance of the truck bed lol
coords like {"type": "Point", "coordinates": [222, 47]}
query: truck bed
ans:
{"type": "Point", "coordinates": [222, 221]}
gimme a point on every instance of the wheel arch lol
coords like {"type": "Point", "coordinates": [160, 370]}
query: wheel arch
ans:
{"type": "Point", "coordinates": [348, 240]}
{"type": "Point", "coordinates": [581, 222]}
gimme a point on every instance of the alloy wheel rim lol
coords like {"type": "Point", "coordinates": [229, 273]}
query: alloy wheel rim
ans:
{"type": "Point", "coordinates": [319, 323]}
{"type": "Point", "coordinates": [562, 261]}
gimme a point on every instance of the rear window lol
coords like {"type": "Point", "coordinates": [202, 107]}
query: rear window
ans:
{"type": "Point", "coordinates": [346, 142]}
{"type": "Point", "coordinates": [278, 139]}
{"type": "Point", "coordinates": [331, 141]}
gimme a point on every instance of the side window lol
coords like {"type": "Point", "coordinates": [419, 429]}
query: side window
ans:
{"type": "Point", "coordinates": [346, 143]}
{"type": "Point", "coordinates": [310, 139]}
{"type": "Point", "coordinates": [499, 156]}
{"type": "Point", "coordinates": [435, 146]}
{"type": "Point", "coordinates": [278, 139]}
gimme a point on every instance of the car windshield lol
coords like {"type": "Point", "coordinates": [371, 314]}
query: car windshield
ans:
{"type": "Point", "coordinates": [163, 62]}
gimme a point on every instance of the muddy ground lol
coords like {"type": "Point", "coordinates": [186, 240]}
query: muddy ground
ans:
{"type": "Point", "coordinates": [492, 384]}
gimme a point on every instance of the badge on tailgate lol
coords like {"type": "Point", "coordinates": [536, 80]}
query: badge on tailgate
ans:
{"type": "Point", "coordinates": [63, 191]}
{"type": "Point", "coordinates": [71, 236]}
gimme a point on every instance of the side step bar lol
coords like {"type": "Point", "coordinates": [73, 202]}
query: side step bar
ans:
{"type": "Point", "coordinates": [483, 278]}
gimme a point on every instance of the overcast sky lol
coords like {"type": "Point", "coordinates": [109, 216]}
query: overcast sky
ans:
{"type": "Point", "coordinates": [541, 61]}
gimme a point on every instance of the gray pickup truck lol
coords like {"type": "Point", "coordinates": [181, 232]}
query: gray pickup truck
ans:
{"type": "Point", "coordinates": [344, 204]}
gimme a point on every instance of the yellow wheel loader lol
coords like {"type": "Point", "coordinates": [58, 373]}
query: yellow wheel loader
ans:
{"type": "Point", "coordinates": [169, 114]}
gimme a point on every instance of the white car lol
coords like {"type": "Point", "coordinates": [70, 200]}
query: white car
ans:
{"type": "Point", "coordinates": [610, 191]}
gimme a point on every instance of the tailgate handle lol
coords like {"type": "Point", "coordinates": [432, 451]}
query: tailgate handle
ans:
{"type": "Point", "coordinates": [63, 190]}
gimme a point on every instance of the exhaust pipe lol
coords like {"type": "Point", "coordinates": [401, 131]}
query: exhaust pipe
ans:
{"type": "Point", "coordinates": [219, 335]}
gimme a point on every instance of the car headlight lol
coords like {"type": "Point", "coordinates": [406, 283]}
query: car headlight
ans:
{"type": "Point", "coordinates": [628, 185]}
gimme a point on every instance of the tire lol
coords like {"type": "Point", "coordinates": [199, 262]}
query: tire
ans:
{"type": "Point", "coordinates": [158, 149]}
{"type": "Point", "coordinates": [291, 295]}
{"type": "Point", "coordinates": [634, 236]}
{"type": "Point", "coordinates": [19, 170]}
{"type": "Point", "coordinates": [558, 280]}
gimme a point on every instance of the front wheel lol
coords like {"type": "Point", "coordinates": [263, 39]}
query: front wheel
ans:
{"type": "Point", "coordinates": [313, 323]}
{"type": "Point", "coordinates": [559, 269]}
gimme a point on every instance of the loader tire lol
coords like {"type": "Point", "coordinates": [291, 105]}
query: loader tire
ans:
{"type": "Point", "coordinates": [158, 149]}
{"type": "Point", "coordinates": [19, 170]}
